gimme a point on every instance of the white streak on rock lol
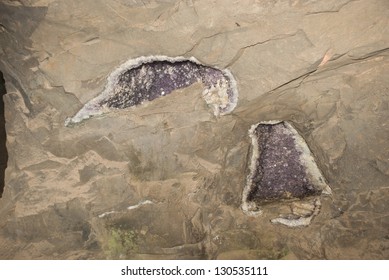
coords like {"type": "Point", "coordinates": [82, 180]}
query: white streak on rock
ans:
{"type": "Point", "coordinates": [144, 202]}
{"type": "Point", "coordinates": [106, 213]}
{"type": "Point", "coordinates": [140, 204]}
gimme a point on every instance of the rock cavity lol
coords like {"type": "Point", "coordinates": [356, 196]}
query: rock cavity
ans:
{"type": "Point", "coordinates": [282, 167]}
{"type": "Point", "coordinates": [147, 78]}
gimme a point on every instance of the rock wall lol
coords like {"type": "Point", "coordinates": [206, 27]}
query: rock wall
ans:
{"type": "Point", "coordinates": [164, 180]}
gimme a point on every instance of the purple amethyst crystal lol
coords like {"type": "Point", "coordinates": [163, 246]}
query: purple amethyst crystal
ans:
{"type": "Point", "coordinates": [282, 166]}
{"type": "Point", "coordinates": [147, 78]}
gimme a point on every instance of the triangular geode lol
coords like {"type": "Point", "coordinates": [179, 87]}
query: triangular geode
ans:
{"type": "Point", "coordinates": [282, 167]}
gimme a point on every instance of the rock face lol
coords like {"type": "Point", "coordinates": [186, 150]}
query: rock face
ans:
{"type": "Point", "coordinates": [165, 179]}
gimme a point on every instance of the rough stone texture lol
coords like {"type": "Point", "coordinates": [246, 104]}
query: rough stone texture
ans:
{"type": "Point", "coordinates": [76, 193]}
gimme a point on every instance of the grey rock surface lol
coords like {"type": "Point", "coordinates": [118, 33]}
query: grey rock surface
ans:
{"type": "Point", "coordinates": [164, 180]}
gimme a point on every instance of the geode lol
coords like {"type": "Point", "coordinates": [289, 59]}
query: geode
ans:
{"type": "Point", "coordinates": [282, 167]}
{"type": "Point", "coordinates": [147, 78]}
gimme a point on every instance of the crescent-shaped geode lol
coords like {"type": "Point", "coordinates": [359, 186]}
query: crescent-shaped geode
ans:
{"type": "Point", "coordinates": [147, 78]}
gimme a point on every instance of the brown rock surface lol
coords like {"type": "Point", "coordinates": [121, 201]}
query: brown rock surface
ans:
{"type": "Point", "coordinates": [164, 180]}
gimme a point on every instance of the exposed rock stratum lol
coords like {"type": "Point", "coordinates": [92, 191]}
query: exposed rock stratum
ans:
{"type": "Point", "coordinates": [164, 179]}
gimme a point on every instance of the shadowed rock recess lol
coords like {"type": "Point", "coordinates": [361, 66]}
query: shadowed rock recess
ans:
{"type": "Point", "coordinates": [3, 148]}
{"type": "Point", "coordinates": [161, 159]}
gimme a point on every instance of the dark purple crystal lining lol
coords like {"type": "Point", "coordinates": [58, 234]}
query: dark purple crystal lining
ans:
{"type": "Point", "coordinates": [158, 78]}
{"type": "Point", "coordinates": [279, 174]}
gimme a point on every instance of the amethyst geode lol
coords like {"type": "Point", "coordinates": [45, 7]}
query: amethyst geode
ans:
{"type": "Point", "coordinates": [147, 78]}
{"type": "Point", "coordinates": [282, 166]}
